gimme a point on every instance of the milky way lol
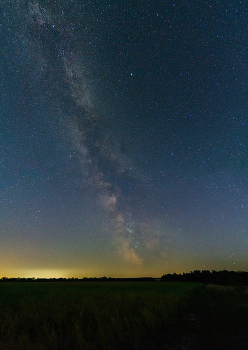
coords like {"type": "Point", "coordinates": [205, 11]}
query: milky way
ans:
{"type": "Point", "coordinates": [97, 148]}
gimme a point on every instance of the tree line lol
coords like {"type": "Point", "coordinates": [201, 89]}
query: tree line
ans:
{"type": "Point", "coordinates": [229, 278]}
{"type": "Point", "coordinates": [74, 279]}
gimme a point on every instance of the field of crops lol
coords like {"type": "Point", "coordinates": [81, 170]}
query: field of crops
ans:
{"type": "Point", "coordinates": [117, 315]}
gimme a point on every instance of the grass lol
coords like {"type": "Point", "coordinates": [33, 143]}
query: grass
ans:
{"type": "Point", "coordinates": [224, 314]}
{"type": "Point", "coordinates": [117, 315]}
{"type": "Point", "coordinates": [85, 315]}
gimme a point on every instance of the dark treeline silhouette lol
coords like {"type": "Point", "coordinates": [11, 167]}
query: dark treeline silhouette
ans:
{"type": "Point", "coordinates": [74, 279]}
{"type": "Point", "coordinates": [229, 278]}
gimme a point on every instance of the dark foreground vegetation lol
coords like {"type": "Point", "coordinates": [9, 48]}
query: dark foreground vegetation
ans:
{"type": "Point", "coordinates": [91, 315]}
{"type": "Point", "coordinates": [121, 315]}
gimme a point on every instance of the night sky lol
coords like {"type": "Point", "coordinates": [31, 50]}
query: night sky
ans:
{"type": "Point", "coordinates": [123, 137]}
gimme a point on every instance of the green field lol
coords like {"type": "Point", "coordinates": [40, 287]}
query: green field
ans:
{"type": "Point", "coordinates": [115, 315]}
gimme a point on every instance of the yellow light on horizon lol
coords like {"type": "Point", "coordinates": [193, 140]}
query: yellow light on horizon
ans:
{"type": "Point", "coordinates": [41, 273]}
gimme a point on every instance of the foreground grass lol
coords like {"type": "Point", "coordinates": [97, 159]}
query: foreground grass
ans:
{"type": "Point", "coordinates": [88, 315]}
{"type": "Point", "coordinates": [215, 318]}
{"type": "Point", "coordinates": [224, 317]}
{"type": "Point", "coordinates": [121, 315]}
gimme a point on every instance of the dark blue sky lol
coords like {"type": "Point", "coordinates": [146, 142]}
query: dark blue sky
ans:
{"type": "Point", "coordinates": [123, 137]}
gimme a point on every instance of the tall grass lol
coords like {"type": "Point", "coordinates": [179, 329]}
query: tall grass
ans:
{"type": "Point", "coordinates": [224, 316]}
{"type": "Point", "coordinates": [97, 315]}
